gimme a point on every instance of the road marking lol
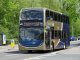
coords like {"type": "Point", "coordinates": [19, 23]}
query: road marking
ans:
{"type": "Point", "coordinates": [42, 56]}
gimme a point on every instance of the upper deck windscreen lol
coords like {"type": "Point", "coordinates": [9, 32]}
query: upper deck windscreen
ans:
{"type": "Point", "coordinates": [32, 15]}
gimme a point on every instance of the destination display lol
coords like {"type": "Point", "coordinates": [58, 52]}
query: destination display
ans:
{"type": "Point", "coordinates": [32, 24]}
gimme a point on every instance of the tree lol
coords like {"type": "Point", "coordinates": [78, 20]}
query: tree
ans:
{"type": "Point", "coordinates": [9, 13]}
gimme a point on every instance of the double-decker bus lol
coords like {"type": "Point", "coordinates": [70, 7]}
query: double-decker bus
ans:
{"type": "Point", "coordinates": [43, 29]}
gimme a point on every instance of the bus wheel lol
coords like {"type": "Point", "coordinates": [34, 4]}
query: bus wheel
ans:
{"type": "Point", "coordinates": [65, 46]}
{"type": "Point", "coordinates": [29, 51]}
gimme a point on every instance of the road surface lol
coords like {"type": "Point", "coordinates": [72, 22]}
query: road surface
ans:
{"type": "Point", "coordinates": [7, 53]}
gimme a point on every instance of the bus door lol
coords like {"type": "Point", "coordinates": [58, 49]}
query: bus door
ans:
{"type": "Point", "coordinates": [47, 39]}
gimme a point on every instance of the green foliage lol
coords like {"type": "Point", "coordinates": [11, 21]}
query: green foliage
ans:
{"type": "Point", "coordinates": [9, 13]}
{"type": "Point", "coordinates": [77, 27]}
{"type": "Point", "coordinates": [72, 8]}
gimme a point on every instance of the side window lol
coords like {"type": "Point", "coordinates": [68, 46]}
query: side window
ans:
{"type": "Point", "coordinates": [47, 15]}
{"type": "Point", "coordinates": [59, 18]}
{"type": "Point", "coordinates": [51, 14]}
{"type": "Point", "coordinates": [62, 35]}
{"type": "Point", "coordinates": [59, 34]}
{"type": "Point", "coordinates": [55, 16]}
{"type": "Point", "coordinates": [56, 34]}
{"type": "Point", "coordinates": [67, 19]}
{"type": "Point", "coordinates": [65, 35]}
{"type": "Point", "coordinates": [52, 35]}
{"type": "Point", "coordinates": [63, 18]}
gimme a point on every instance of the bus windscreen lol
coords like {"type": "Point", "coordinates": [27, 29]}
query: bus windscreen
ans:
{"type": "Point", "coordinates": [31, 36]}
{"type": "Point", "coordinates": [32, 15]}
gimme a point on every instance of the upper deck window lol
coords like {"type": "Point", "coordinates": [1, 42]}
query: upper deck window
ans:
{"type": "Point", "coordinates": [32, 15]}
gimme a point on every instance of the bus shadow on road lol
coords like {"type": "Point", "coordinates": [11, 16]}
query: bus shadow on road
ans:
{"type": "Point", "coordinates": [25, 52]}
{"type": "Point", "coordinates": [32, 52]}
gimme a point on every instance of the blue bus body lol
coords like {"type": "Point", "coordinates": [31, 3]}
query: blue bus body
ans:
{"type": "Point", "coordinates": [43, 29]}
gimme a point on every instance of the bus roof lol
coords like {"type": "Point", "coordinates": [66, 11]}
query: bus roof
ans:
{"type": "Point", "coordinates": [43, 9]}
